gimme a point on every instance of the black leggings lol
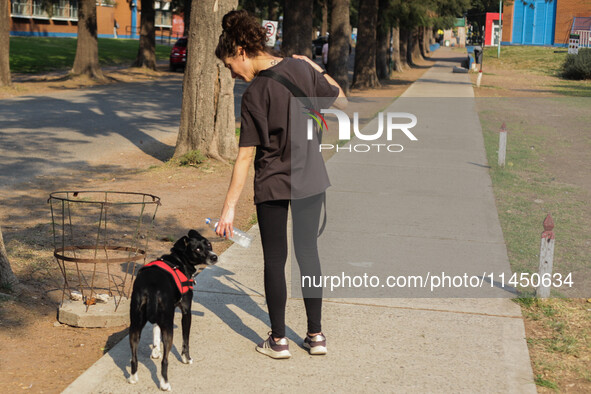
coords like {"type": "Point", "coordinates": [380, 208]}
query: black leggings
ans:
{"type": "Point", "coordinates": [272, 217]}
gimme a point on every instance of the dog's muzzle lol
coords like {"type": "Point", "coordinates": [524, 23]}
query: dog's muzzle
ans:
{"type": "Point", "coordinates": [212, 258]}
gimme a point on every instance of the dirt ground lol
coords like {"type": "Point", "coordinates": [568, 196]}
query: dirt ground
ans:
{"type": "Point", "coordinates": [38, 353]}
{"type": "Point", "coordinates": [28, 327]}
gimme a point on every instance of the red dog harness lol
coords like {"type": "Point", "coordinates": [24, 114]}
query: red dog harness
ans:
{"type": "Point", "coordinates": [183, 283]}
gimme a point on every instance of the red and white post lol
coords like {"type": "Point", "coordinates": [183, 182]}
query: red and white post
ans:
{"type": "Point", "coordinates": [502, 145]}
{"type": "Point", "coordinates": [546, 258]}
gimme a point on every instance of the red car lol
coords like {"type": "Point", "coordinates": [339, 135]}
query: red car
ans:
{"type": "Point", "coordinates": [178, 54]}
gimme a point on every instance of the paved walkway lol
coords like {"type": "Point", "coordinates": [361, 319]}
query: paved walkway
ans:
{"type": "Point", "coordinates": [429, 208]}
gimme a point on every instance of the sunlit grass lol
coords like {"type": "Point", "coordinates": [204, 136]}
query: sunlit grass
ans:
{"type": "Point", "coordinates": [42, 54]}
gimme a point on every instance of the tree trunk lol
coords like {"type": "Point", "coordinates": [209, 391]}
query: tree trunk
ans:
{"type": "Point", "coordinates": [382, 55]}
{"type": "Point", "coordinates": [297, 28]}
{"type": "Point", "coordinates": [146, 55]}
{"type": "Point", "coordinates": [207, 112]}
{"type": "Point", "coordinates": [324, 26]}
{"type": "Point", "coordinates": [396, 58]}
{"type": "Point", "coordinates": [5, 79]}
{"type": "Point", "coordinates": [273, 10]}
{"type": "Point", "coordinates": [339, 47]}
{"type": "Point", "coordinates": [86, 61]}
{"type": "Point", "coordinates": [403, 45]}
{"type": "Point", "coordinates": [382, 41]}
{"type": "Point", "coordinates": [364, 75]}
{"type": "Point", "coordinates": [424, 39]}
{"type": "Point", "coordinates": [187, 18]}
{"type": "Point", "coordinates": [415, 46]}
{"type": "Point", "coordinates": [7, 278]}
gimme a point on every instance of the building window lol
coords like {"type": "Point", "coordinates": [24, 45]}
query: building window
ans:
{"type": "Point", "coordinates": [36, 9]}
{"type": "Point", "coordinates": [39, 11]}
{"type": "Point", "coordinates": [163, 14]}
{"type": "Point", "coordinates": [65, 10]}
{"type": "Point", "coordinates": [20, 8]}
{"type": "Point", "coordinates": [106, 3]}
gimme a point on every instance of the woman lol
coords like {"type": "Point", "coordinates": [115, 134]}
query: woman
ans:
{"type": "Point", "coordinates": [265, 131]}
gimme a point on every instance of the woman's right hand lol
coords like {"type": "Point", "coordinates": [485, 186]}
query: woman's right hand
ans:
{"type": "Point", "coordinates": [225, 227]}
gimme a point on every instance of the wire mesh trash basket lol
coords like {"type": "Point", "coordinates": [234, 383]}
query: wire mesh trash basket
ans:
{"type": "Point", "coordinates": [100, 240]}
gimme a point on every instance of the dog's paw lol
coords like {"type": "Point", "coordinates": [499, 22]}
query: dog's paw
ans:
{"type": "Point", "coordinates": [186, 360]}
{"type": "Point", "coordinates": [156, 352]}
{"type": "Point", "coordinates": [132, 379]}
{"type": "Point", "coordinates": [164, 386]}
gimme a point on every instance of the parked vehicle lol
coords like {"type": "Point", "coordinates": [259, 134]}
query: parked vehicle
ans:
{"type": "Point", "coordinates": [178, 54]}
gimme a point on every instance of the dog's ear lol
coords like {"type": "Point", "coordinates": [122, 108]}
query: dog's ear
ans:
{"type": "Point", "coordinates": [181, 244]}
{"type": "Point", "coordinates": [194, 234]}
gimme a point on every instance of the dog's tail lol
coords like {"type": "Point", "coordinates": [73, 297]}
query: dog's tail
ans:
{"type": "Point", "coordinates": [153, 304]}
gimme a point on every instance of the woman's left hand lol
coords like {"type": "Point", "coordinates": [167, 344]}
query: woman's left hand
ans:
{"type": "Point", "coordinates": [307, 59]}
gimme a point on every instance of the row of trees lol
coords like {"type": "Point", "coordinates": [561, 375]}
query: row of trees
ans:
{"type": "Point", "coordinates": [392, 35]}
{"type": "Point", "coordinates": [400, 30]}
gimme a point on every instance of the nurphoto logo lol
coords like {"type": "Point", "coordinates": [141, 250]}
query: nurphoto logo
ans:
{"type": "Point", "coordinates": [344, 124]}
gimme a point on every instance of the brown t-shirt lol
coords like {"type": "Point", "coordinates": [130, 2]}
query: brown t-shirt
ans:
{"type": "Point", "coordinates": [266, 124]}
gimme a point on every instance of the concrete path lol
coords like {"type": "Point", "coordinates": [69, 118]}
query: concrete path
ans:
{"type": "Point", "coordinates": [430, 209]}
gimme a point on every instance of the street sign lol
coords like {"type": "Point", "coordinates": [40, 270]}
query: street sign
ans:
{"type": "Point", "coordinates": [573, 44]}
{"type": "Point", "coordinates": [271, 28]}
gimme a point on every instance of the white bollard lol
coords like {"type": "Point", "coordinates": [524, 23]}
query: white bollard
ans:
{"type": "Point", "coordinates": [478, 79]}
{"type": "Point", "coordinates": [546, 258]}
{"type": "Point", "coordinates": [502, 145]}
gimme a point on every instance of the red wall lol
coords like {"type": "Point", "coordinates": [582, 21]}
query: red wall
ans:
{"type": "Point", "coordinates": [488, 32]}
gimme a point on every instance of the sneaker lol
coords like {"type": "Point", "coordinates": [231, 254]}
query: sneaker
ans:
{"type": "Point", "coordinates": [279, 349]}
{"type": "Point", "coordinates": [316, 345]}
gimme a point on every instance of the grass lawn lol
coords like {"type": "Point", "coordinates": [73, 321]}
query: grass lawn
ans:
{"type": "Point", "coordinates": [537, 68]}
{"type": "Point", "coordinates": [42, 54]}
{"type": "Point", "coordinates": [533, 59]}
{"type": "Point", "coordinates": [548, 148]}
{"type": "Point", "coordinates": [543, 135]}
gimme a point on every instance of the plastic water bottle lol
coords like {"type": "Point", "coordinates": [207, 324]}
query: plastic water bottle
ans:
{"type": "Point", "coordinates": [240, 237]}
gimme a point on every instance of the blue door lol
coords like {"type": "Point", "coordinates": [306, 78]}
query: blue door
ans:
{"type": "Point", "coordinates": [533, 22]}
{"type": "Point", "coordinates": [528, 25]}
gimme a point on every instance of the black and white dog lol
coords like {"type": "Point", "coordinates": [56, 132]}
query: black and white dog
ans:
{"type": "Point", "coordinates": [159, 288]}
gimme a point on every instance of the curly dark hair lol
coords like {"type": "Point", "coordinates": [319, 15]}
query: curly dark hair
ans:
{"type": "Point", "coordinates": [241, 29]}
